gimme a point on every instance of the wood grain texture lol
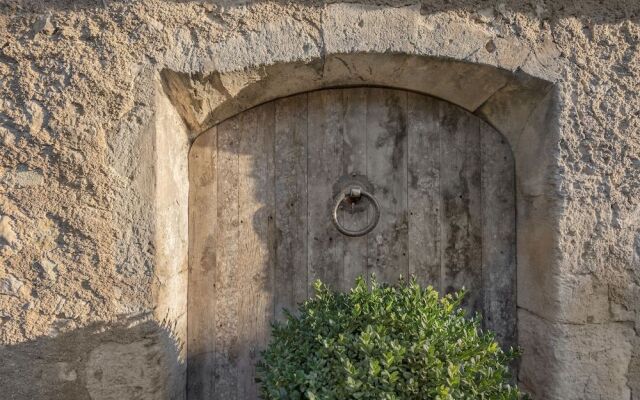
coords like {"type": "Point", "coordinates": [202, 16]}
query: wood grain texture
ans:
{"type": "Point", "coordinates": [387, 171]}
{"type": "Point", "coordinates": [291, 203]}
{"type": "Point", "coordinates": [254, 268]}
{"type": "Point", "coordinates": [354, 162]}
{"type": "Point", "coordinates": [249, 258]}
{"type": "Point", "coordinates": [460, 211]}
{"type": "Point", "coordinates": [473, 276]}
{"type": "Point", "coordinates": [227, 282]}
{"type": "Point", "coordinates": [424, 189]}
{"type": "Point", "coordinates": [499, 236]}
{"type": "Point", "coordinates": [202, 263]}
{"type": "Point", "coordinates": [326, 129]}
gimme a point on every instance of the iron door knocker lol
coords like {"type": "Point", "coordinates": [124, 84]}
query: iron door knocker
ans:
{"type": "Point", "coordinates": [353, 195]}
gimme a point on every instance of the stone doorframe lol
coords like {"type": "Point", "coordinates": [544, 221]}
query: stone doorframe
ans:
{"type": "Point", "coordinates": [518, 105]}
{"type": "Point", "coordinates": [502, 80]}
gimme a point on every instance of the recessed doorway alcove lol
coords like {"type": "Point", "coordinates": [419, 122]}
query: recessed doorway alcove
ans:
{"type": "Point", "coordinates": [262, 171]}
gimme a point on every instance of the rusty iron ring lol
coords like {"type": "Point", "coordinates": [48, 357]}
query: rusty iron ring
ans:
{"type": "Point", "coordinates": [355, 194]}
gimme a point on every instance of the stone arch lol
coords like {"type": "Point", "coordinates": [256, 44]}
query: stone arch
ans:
{"type": "Point", "coordinates": [516, 104]}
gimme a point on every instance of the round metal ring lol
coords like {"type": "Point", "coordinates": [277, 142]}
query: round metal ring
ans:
{"type": "Point", "coordinates": [356, 192]}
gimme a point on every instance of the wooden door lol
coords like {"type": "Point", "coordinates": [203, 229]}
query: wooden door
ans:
{"type": "Point", "coordinates": [261, 189]}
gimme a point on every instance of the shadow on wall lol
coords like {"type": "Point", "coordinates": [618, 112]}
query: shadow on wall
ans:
{"type": "Point", "coordinates": [595, 11]}
{"type": "Point", "coordinates": [130, 359]}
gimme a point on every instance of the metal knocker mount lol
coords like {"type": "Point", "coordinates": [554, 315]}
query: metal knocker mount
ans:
{"type": "Point", "coordinates": [353, 195]}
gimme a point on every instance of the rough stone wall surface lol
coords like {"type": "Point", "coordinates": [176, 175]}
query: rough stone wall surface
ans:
{"type": "Point", "coordinates": [78, 210]}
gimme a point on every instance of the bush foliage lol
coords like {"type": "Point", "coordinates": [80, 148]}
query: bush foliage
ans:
{"type": "Point", "coordinates": [384, 342]}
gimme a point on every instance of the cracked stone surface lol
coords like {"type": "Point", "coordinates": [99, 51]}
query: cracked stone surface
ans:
{"type": "Point", "coordinates": [93, 245]}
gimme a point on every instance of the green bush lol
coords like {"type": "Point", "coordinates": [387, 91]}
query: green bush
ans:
{"type": "Point", "coordinates": [387, 342]}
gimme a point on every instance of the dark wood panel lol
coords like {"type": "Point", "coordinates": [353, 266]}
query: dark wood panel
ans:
{"type": "Point", "coordinates": [387, 171]}
{"type": "Point", "coordinates": [424, 189]}
{"type": "Point", "coordinates": [460, 217]}
{"type": "Point", "coordinates": [326, 129]}
{"type": "Point", "coordinates": [354, 163]}
{"type": "Point", "coordinates": [498, 236]}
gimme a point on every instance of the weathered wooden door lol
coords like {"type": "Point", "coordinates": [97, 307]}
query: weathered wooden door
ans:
{"type": "Point", "coordinates": [262, 187]}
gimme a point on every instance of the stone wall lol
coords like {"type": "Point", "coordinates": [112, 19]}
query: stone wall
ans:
{"type": "Point", "coordinates": [100, 100]}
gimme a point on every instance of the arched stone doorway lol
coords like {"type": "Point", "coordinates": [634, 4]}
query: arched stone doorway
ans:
{"type": "Point", "coordinates": [517, 105]}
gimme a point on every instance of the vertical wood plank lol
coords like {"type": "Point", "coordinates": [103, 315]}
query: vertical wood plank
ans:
{"type": "Point", "coordinates": [255, 257]}
{"type": "Point", "coordinates": [473, 176]}
{"type": "Point", "coordinates": [387, 170]}
{"type": "Point", "coordinates": [326, 244]}
{"type": "Point", "coordinates": [424, 189]}
{"type": "Point", "coordinates": [498, 236]}
{"type": "Point", "coordinates": [354, 163]}
{"type": "Point", "coordinates": [460, 205]}
{"type": "Point", "coordinates": [291, 202]}
{"type": "Point", "coordinates": [266, 128]}
{"type": "Point", "coordinates": [227, 281]}
{"type": "Point", "coordinates": [202, 264]}
{"type": "Point", "coordinates": [249, 251]}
